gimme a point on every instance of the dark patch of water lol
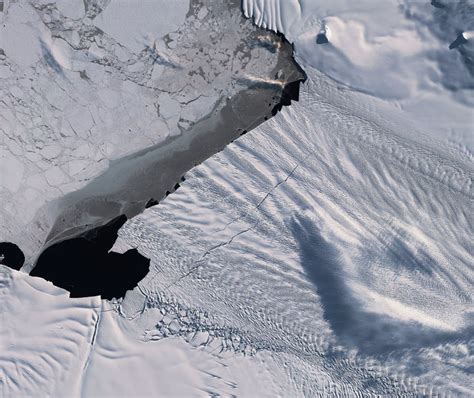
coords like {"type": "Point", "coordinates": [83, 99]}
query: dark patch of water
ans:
{"type": "Point", "coordinates": [11, 255]}
{"type": "Point", "coordinates": [85, 266]}
{"type": "Point", "coordinates": [291, 92]}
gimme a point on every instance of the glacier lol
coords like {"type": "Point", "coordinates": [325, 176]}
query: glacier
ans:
{"type": "Point", "coordinates": [326, 253]}
{"type": "Point", "coordinates": [336, 236]}
{"type": "Point", "coordinates": [335, 245]}
{"type": "Point", "coordinates": [394, 51]}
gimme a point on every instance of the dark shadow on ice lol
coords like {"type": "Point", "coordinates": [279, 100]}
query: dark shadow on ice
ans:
{"type": "Point", "coordinates": [321, 38]}
{"type": "Point", "coordinates": [85, 266]}
{"type": "Point", "coordinates": [49, 58]}
{"type": "Point", "coordinates": [447, 21]}
{"type": "Point", "coordinates": [11, 255]}
{"type": "Point", "coordinates": [402, 256]}
{"type": "Point", "coordinates": [353, 325]}
{"type": "Point", "coordinates": [459, 41]}
{"type": "Point", "coordinates": [437, 4]}
{"type": "Point", "coordinates": [321, 264]}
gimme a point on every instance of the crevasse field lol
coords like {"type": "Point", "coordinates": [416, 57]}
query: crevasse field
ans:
{"type": "Point", "coordinates": [326, 253]}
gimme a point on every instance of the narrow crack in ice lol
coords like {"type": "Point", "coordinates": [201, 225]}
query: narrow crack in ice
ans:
{"type": "Point", "coordinates": [198, 263]}
{"type": "Point", "coordinates": [93, 339]}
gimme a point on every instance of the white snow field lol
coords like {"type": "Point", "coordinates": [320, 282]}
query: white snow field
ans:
{"type": "Point", "coordinates": [394, 50]}
{"type": "Point", "coordinates": [330, 239]}
{"type": "Point", "coordinates": [45, 336]}
{"type": "Point", "coordinates": [55, 346]}
{"type": "Point", "coordinates": [326, 253]}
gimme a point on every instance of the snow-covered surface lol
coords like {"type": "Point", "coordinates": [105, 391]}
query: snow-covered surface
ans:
{"type": "Point", "coordinates": [123, 363]}
{"type": "Point", "coordinates": [337, 235]}
{"type": "Point", "coordinates": [395, 51]}
{"type": "Point", "coordinates": [45, 336]}
{"type": "Point", "coordinates": [52, 345]}
{"type": "Point", "coordinates": [149, 22]}
{"type": "Point", "coordinates": [329, 252]}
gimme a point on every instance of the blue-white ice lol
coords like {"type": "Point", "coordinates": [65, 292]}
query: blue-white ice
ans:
{"type": "Point", "coordinates": [337, 236]}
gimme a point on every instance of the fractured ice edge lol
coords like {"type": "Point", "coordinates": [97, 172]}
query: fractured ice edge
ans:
{"type": "Point", "coordinates": [141, 179]}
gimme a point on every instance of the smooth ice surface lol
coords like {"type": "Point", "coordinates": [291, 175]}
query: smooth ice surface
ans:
{"type": "Point", "coordinates": [45, 337]}
{"type": "Point", "coordinates": [394, 51]}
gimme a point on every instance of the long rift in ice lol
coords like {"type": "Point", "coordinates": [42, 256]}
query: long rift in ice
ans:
{"type": "Point", "coordinates": [337, 238]}
{"type": "Point", "coordinates": [324, 243]}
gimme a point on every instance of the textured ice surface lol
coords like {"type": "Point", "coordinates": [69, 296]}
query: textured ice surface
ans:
{"type": "Point", "coordinates": [332, 238]}
{"type": "Point", "coordinates": [337, 235]}
{"type": "Point", "coordinates": [52, 345]}
{"type": "Point", "coordinates": [123, 363]}
{"type": "Point", "coordinates": [328, 253]}
{"type": "Point", "coordinates": [45, 337]}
